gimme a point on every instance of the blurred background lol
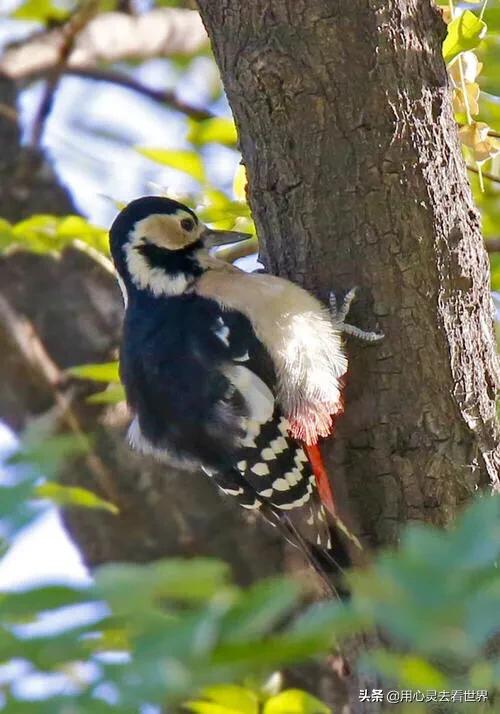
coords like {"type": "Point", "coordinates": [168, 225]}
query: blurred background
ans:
{"type": "Point", "coordinates": [101, 102]}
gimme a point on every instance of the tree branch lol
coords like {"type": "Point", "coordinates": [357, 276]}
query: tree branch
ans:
{"type": "Point", "coordinates": [485, 174]}
{"type": "Point", "coordinates": [110, 37]}
{"type": "Point", "coordinates": [80, 18]}
{"type": "Point", "coordinates": [166, 97]}
{"type": "Point", "coordinates": [492, 245]}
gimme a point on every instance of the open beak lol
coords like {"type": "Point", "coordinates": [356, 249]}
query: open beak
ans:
{"type": "Point", "coordinates": [212, 237]}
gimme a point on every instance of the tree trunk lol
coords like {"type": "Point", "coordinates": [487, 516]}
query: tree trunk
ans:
{"type": "Point", "coordinates": [356, 178]}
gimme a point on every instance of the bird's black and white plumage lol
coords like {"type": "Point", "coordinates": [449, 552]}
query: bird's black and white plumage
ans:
{"type": "Point", "coordinates": [226, 371]}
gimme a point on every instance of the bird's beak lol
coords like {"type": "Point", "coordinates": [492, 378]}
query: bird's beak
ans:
{"type": "Point", "coordinates": [212, 237]}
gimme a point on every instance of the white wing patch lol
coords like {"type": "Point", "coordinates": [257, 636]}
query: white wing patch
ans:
{"type": "Point", "coordinates": [257, 395]}
{"type": "Point", "coordinates": [222, 331]}
{"type": "Point", "coordinates": [242, 358]}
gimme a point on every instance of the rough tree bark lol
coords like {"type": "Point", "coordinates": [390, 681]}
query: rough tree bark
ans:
{"type": "Point", "coordinates": [356, 178]}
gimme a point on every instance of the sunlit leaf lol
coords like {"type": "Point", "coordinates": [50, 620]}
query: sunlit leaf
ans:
{"type": "Point", "coordinates": [464, 33]}
{"type": "Point", "coordinates": [225, 699]}
{"type": "Point", "coordinates": [295, 701]}
{"type": "Point", "coordinates": [6, 234]}
{"type": "Point", "coordinates": [468, 100]}
{"type": "Point", "coordinates": [105, 372]}
{"type": "Point", "coordinates": [114, 394]}
{"type": "Point", "coordinates": [469, 67]}
{"type": "Point", "coordinates": [240, 183]}
{"type": "Point", "coordinates": [43, 233]}
{"type": "Point", "coordinates": [189, 162]}
{"type": "Point", "coordinates": [73, 496]}
{"type": "Point", "coordinates": [217, 130]}
{"type": "Point", "coordinates": [40, 11]}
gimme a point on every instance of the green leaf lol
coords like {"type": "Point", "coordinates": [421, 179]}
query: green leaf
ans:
{"type": "Point", "coordinates": [495, 271]}
{"type": "Point", "coordinates": [200, 707]}
{"type": "Point", "coordinates": [295, 701]}
{"type": "Point", "coordinates": [76, 228]}
{"type": "Point", "coordinates": [182, 160]}
{"type": "Point", "coordinates": [40, 11]}
{"type": "Point", "coordinates": [46, 454]}
{"type": "Point", "coordinates": [491, 17]}
{"type": "Point", "coordinates": [464, 33]}
{"type": "Point", "coordinates": [240, 183]}
{"type": "Point", "coordinates": [6, 233]}
{"type": "Point", "coordinates": [43, 233]}
{"type": "Point", "coordinates": [209, 131]}
{"type": "Point", "coordinates": [129, 586]}
{"type": "Point", "coordinates": [409, 671]}
{"type": "Point", "coordinates": [225, 699]}
{"type": "Point", "coordinates": [259, 608]}
{"type": "Point", "coordinates": [105, 372]}
{"type": "Point", "coordinates": [20, 604]}
{"type": "Point", "coordinates": [114, 394]}
{"type": "Point", "coordinates": [73, 496]}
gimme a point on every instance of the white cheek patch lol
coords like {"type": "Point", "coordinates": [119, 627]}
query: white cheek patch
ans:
{"type": "Point", "coordinates": [154, 279]}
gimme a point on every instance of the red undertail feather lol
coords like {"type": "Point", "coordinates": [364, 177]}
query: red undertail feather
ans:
{"type": "Point", "coordinates": [322, 481]}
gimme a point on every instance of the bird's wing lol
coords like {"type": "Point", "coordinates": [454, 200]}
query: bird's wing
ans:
{"type": "Point", "coordinates": [197, 378]}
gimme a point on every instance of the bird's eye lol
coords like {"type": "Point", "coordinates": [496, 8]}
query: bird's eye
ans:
{"type": "Point", "coordinates": [187, 224]}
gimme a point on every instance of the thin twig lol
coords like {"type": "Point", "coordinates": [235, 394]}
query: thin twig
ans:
{"type": "Point", "coordinates": [162, 96]}
{"type": "Point", "coordinates": [492, 245]}
{"type": "Point", "coordinates": [20, 336]}
{"type": "Point", "coordinates": [80, 18]}
{"type": "Point", "coordinates": [490, 177]}
{"type": "Point", "coordinates": [238, 250]}
{"type": "Point", "coordinates": [9, 113]}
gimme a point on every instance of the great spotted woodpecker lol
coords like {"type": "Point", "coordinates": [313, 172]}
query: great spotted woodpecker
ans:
{"type": "Point", "coordinates": [238, 374]}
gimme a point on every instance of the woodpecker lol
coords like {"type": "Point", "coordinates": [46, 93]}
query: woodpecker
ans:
{"type": "Point", "coordinates": [237, 374]}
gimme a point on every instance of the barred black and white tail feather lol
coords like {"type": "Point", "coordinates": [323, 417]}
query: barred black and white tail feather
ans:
{"type": "Point", "coordinates": [329, 563]}
{"type": "Point", "coordinates": [308, 527]}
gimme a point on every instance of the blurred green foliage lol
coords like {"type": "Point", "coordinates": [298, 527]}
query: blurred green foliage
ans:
{"type": "Point", "coordinates": [179, 630]}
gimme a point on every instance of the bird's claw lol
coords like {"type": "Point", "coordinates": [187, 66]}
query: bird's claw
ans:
{"type": "Point", "coordinates": [339, 314]}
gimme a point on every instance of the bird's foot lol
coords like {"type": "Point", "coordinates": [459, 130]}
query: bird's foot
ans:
{"type": "Point", "coordinates": [339, 315]}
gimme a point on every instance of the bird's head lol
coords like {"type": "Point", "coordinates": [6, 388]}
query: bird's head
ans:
{"type": "Point", "coordinates": [156, 244]}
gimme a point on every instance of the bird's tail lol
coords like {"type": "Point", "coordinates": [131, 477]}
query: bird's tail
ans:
{"type": "Point", "coordinates": [330, 563]}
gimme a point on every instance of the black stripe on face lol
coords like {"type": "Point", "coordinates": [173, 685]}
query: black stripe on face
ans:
{"type": "Point", "coordinates": [172, 262]}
